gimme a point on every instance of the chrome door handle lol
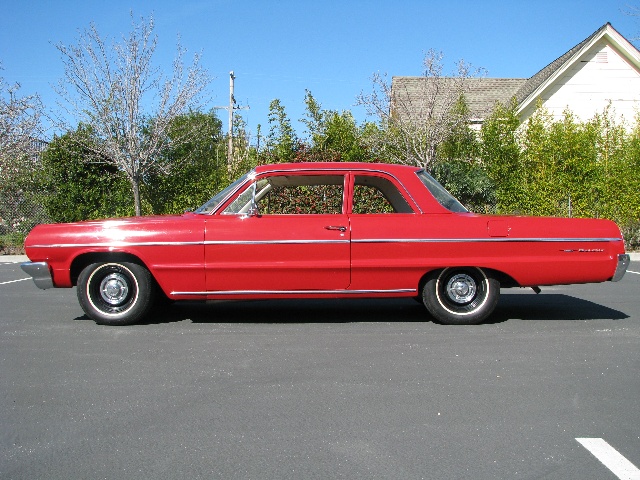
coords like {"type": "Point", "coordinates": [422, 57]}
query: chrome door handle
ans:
{"type": "Point", "coordinates": [336, 227]}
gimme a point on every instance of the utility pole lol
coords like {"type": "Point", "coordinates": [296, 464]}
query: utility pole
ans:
{"type": "Point", "coordinates": [232, 103]}
{"type": "Point", "coordinates": [232, 106]}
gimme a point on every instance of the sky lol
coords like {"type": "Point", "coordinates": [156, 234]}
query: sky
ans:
{"type": "Point", "coordinates": [278, 49]}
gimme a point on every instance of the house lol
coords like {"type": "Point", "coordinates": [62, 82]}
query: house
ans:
{"type": "Point", "coordinates": [603, 69]}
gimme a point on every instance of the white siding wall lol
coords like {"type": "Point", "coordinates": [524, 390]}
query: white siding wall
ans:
{"type": "Point", "coordinates": [601, 75]}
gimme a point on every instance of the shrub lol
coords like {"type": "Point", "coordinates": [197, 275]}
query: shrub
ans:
{"type": "Point", "coordinates": [11, 244]}
{"type": "Point", "coordinates": [77, 189]}
{"type": "Point", "coordinates": [631, 234]}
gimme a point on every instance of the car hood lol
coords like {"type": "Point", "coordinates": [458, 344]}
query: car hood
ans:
{"type": "Point", "coordinates": [109, 231]}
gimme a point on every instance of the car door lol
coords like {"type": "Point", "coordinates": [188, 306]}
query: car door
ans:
{"type": "Point", "coordinates": [296, 241]}
{"type": "Point", "coordinates": [384, 223]}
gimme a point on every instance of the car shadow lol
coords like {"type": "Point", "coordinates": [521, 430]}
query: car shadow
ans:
{"type": "Point", "coordinates": [551, 306]}
{"type": "Point", "coordinates": [293, 311]}
{"type": "Point", "coordinates": [546, 307]}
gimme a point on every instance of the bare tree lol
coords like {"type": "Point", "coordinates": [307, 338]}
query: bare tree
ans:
{"type": "Point", "coordinates": [20, 131]}
{"type": "Point", "coordinates": [126, 101]}
{"type": "Point", "coordinates": [633, 11]}
{"type": "Point", "coordinates": [416, 114]}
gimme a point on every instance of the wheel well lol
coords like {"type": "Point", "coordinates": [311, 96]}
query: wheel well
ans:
{"type": "Point", "coordinates": [505, 280]}
{"type": "Point", "coordinates": [80, 262]}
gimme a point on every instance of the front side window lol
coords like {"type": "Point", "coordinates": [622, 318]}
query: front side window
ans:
{"type": "Point", "coordinates": [292, 195]}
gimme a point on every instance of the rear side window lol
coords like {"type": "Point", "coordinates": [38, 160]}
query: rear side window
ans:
{"type": "Point", "coordinates": [372, 194]}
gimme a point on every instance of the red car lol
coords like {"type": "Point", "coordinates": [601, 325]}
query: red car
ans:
{"type": "Point", "coordinates": [322, 230]}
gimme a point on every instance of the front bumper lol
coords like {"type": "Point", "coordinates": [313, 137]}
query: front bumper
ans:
{"type": "Point", "coordinates": [621, 268]}
{"type": "Point", "coordinates": [40, 272]}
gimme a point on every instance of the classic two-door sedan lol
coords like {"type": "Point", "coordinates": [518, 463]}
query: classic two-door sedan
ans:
{"type": "Point", "coordinates": [322, 230]}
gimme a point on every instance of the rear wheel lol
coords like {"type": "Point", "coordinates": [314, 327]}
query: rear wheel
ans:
{"type": "Point", "coordinates": [116, 293]}
{"type": "Point", "coordinates": [461, 296]}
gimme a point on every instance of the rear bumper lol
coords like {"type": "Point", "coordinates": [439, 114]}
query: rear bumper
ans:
{"type": "Point", "coordinates": [40, 273]}
{"type": "Point", "coordinates": [621, 268]}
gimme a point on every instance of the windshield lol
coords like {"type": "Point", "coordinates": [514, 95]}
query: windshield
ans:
{"type": "Point", "coordinates": [445, 199]}
{"type": "Point", "coordinates": [220, 196]}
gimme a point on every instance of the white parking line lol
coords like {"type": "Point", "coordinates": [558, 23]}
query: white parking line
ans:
{"type": "Point", "coordinates": [611, 458]}
{"type": "Point", "coordinates": [631, 271]}
{"type": "Point", "coordinates": [14, 281]}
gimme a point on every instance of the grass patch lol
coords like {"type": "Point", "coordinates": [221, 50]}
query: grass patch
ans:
{"type": "Point", "coordinates": [12, 244]}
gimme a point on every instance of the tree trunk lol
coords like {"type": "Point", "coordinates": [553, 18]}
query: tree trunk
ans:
{"type": "Point", "coordinates": [135, 187]}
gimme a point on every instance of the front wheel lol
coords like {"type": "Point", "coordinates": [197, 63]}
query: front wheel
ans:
{"type": "Point", "coordinates": [461, 296]}
{"type": "Point", "coordinates": [115, 293]}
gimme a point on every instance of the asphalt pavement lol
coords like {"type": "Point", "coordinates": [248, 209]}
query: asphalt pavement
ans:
{"type": "Point", "coordinates": [354, 389]}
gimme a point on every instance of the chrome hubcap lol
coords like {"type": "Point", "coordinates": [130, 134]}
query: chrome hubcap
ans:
{"type": "Point", "coordinates": [114, 288]}
{"type": "Point", "coordinates": [461, 288]}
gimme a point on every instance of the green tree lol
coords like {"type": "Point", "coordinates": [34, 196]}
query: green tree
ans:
{"type": "Point", "coordinates": [200, 167]}
{"type": "Point", "coordinates": [282, 140]}
{"type": "Point", "coordinates": [417, 115]}
{"type": "Point", "coordinates": [20, 129]}
{"type": "Point", "coordinates": [572, 159]}
{"type": "Point", "coordinates": [245, 155]}
{"type": "Point", "coordinates": [616, 186]}
{"type": "Point", "coordinates": [564, 167]}
{"type": "Point", "coordinates": [458, 166]}
{"type": "Point", "coordinates": [20, 142]}
{"type": "Point", "coordinates": [468, 182]}
{"type": "Point", "coordinates": [500, 156]}
{"type": "Point", "coordinates": [462, 142]}
{"type": "Point", "coordinates": [333, 136]}
{"type": "Point", "coordinates": [128, 102]}
{"type": "Point", "coordinates": [77, 190]}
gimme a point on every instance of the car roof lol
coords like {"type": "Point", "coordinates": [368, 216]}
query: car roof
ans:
{"type": "Point", "coordinates": [333, 166]}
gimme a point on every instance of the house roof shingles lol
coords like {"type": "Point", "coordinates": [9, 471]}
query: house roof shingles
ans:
{"type": "Point", "coordinates": [482, 93]}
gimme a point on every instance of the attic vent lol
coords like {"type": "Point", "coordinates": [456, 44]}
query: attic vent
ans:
{"type": "Point", "coordinates": [601, 57]}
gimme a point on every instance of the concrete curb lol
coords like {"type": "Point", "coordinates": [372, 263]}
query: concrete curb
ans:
{"type": "Point", "coordinates": [13, 258]}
